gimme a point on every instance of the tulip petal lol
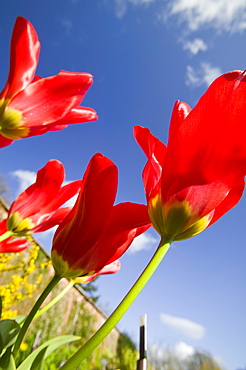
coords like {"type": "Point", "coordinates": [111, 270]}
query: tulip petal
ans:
{"type": "Point", "coordinates": [76, 115]}
{"type": "Point", "coordinates": [4, 141]}
{"type": "Point", "coordinates": [51, 215]}
{"type": "Point", "coordinates": [126, 221]}
{"type": "Point", "coordinates": [207, 144]}
{"type": "Point", "coordinates": [47, 221]}
{"type": "Point", "coordinates": [85, 222]}
{"type": "Point", "coordinates": [155, 151]}
{"type": "Point", "coordinates": [38, 195]}
{"type": "Point", "coordinates": [24, 54]}
{"type": "Point", "coordinates": [50, 99]}
{"type": "Point", "coordinates": [11, 245]}
{"type": "Point", "coordinates": [112, 268]}
{"type": "Point", "coordinates": [230, 201]}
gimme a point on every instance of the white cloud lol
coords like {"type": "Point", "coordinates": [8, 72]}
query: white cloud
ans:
{"type": "Point", "coordinates": [183, 350]}
{"type": "Point", "coordinates": [187, 327]}
{"type": "Point", "coordinates": [222, 15]}
{"type": "Point", "coordinates": [143, 242]}
{"type": "Point", "coordinates": [202, 76]}
{"type": "Point", "coordinates": [195, 46]}
{"type": "Point", "coordinates": [25, 179]}
{"type": "Point", "coordinates": [226, 15]}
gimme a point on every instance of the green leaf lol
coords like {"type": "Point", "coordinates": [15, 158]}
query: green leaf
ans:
{"type": "Point", "coordinates": [49, 346]}
{"type": "Point", "coordinates": [19, 319]}
{"type": "Point", "coordinates": [8, 332]}
{"type": "Point", "coordinates": [11, 365]}
{"type": "Point", "coordinates": [7, 361]}
{"type": "Point", "coordinates": [38, 363]}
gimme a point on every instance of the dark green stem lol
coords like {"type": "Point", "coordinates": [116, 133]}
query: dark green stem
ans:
{"type": "Point", "coordinates": [119, 312]}
{"type": "Point", "coordinates": [55, 300]}
{"type": "Point", "coordinates": [33, 312]}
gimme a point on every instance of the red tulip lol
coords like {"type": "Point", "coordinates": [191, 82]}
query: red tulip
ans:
{"type": "Point", "coordinates": [38, 207]}
{"type": "Point", "coordinates": [199, 176]}
{"type": "Point", "coordinates": [96, 233]}
{"type": "Point", "coordinates": [11, 244]}
{"type": "Point", "coordinates": [32, 106]}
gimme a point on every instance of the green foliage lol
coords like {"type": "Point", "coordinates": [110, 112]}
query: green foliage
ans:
{"type": "Point", "coordinates": [90, 289]}
{"type": "Point", "coordinates": [169, 361]}
{"type": "Point", "coordinates": [37, 357]}
{"type": "Point", "coordinates": [201, 361]}
{"type": "Point", "coordinates": [127, 354]}
{"type": "Point", "coordinates": [8, 332]}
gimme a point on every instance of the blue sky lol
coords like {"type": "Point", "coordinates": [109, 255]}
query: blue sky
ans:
{"type": "Point", "coordinates": [144, 55]}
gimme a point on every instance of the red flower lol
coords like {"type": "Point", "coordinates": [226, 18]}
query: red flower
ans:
{"type": "Point", "coordinates": [32, 106]}
{"type": "Point", "coordinates": [199, 176]}
{"type": "Point", "coordinates": [11, 244]}
{"type": "Point", "coordinates": [38, 207]}
{"type": "Point", "coordinates": [96, 233]}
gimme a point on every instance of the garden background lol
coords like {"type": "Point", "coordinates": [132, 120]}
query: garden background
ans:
{"type": "Point", "coordinates": [144, 55]}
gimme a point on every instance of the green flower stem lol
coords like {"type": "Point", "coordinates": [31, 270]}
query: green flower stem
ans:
{"type": "Point", "coordinates": [119, 312]}
{"type": "Point", "coordinates": [6, 235]}
{"type": "Point", "coordinates": [33, 312]}
{"type": "Point", "coordinates": [55, 300]}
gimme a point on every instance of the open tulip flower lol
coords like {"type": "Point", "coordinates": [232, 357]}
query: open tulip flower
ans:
{"type": "Point", "coordinates": [96, 233]}
{"type": "Point", "coordinates": [32, 105]}
{"type": "Point", "coordinates": [11, 244]}
{"type": "Point", "coordinates": [38, 207]}
{"type": "Point", "coordinates": [199, 176]}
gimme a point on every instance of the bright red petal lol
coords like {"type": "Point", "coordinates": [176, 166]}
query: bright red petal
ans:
{"type": "Point", "coordinates": [126, 221]}
{"type": "Point", "coordinates": [46, 222]}
{"type": "Point", "coordinates": [203, 198]}
{"type": "Point", "coordinates": [51, 215]}
{"type": "Point", "coordinates": [155, 151]}
{"type": "Point", "coordinates": [24, 54]}
{"type": "Point", "coordinates": [50, 99]}
{"type": "Point", "coordinates": [42, 192]}
{"type": "Point", "coordinates": [84, 224]}
{"type": "Point", "coordinates": [77, 115]}
{"type": "Point", "coordinates": [230, 201]}
{"type": "Point", "coordinates": [5, 142]}
{"type": "Point", "coordinates": [209, 144]}
{"type": "Point", "coordinates": [11, 244]}
{"type": "Point", "coordinates": [109, 269]}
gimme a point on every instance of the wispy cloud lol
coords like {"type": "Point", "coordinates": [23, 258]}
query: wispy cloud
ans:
{"type": "Point", "coordinates": [68, 25]}
{"type": "Point", "coordinates": [194, 46]}
{"type": "Point", "coordinates": [181, 350]}
{"type": "Point", "coordinates": [143, 242]}
{"type": "Point", "coordinates": [222, 15]}
{"type": "Point", "coordinates": [187, 327]}
{"type": "Point", "coordinates": [204, 75]}
{"type": "Point", "coordinates": [121, 6]}
{"type": "Point", "coordinates": [25, 178]}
